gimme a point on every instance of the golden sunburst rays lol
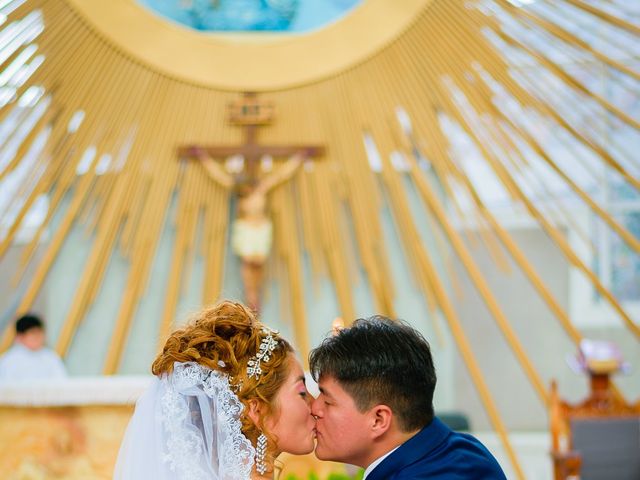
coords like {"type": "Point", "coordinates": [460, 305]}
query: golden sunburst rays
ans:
{"type": "Point", "coordinates": [93, 131]}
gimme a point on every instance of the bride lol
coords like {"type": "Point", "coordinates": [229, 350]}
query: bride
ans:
{"type": "Point", "coordinates": [228, 398]}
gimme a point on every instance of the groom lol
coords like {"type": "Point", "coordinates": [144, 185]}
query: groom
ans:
{"type": "Point", "coordinates": [375, 408]}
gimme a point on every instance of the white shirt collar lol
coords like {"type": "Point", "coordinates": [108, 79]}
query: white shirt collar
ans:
{"type": "Point", "coordinates": [377, 462]}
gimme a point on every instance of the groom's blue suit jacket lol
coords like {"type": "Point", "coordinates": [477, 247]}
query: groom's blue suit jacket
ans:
{"type": "Point", "coordinates": [437, 452]}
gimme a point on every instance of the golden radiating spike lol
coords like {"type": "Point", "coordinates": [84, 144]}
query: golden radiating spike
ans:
{"type": "Point", "coordinates": [364, 197]}
{"type": "Point", "coordinates": [384, 137]}
{"type": "Point", "coordinates": [285, 223]}
{"type": "Point", "coordinates": [566, 249]}
{"type": "Point", "coordinates": [569, 80]}
{"type": "Point", "coordinates": [51, 252]}
{"type": "Point", "coordinates": [478, 279]}
{"type": "Point", "coordinates": [553, 232]}
{"type": "Point", "coordinates": [627, 236]}
{"type": "Point", "coordinates": [521, 13]}
{"type": "Point", "coordinates": [607, 17]}
{"type": "Point", "coordinates": [215, 205]}
{"type": "Point", "coordinates": [485, 292]}
{"type": "Point", "coordinates": [149, 229]}
{"type": "Point", "coordinates": [489, 58]}
{"type": "Point", "coordinates": [473, 368]}
{"type": "Point", "coordinates": [329, 233]}
{"type": "Point", "coordinates": [106, 235]}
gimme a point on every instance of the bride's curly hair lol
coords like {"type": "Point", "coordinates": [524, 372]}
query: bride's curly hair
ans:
{"type": "Point", "coordinates": [229, 332]}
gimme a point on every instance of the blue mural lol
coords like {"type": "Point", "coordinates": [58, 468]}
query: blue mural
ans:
{"type": "Point", "coordinates": [293, 16]}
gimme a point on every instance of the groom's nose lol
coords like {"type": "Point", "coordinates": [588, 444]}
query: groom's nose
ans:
{"type": "Point", "coordinates": [315, 407]}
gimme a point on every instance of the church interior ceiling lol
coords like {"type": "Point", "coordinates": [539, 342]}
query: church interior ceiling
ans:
{"type": "Point", "coordinates": [466, 101]}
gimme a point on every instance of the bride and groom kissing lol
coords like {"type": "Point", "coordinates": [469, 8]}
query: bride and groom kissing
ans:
{"type": "Point", "coordinates": [229, 396]}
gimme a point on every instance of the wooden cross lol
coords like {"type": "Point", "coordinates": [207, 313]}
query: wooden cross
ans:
{"type": "Point", "coordinates": [250, 113]}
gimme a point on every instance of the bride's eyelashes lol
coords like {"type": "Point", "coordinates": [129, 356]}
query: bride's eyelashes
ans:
{"type": "Point", "coordinates": [306, 394]}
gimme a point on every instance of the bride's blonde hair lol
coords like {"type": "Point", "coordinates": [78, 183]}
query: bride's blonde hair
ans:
{"type": "Point", "coordinates": [229, 332]}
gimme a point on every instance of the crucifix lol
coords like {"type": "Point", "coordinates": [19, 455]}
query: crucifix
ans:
{"type": "Point", "coordinates": [252, 230]}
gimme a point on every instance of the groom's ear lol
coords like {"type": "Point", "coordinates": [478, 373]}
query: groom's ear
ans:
{"type": "Point", "coordinates": [380, 416]}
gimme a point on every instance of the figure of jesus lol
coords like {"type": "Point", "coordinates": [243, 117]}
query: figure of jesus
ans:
{"type": "Point", "coordinates": [252, 229]}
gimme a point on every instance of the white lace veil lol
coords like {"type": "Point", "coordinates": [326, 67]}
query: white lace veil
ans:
{"type": "Point", "coordinates": [186, 426]}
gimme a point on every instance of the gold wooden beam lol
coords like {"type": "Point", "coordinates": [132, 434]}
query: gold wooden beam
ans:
{"type": "Point", "coordinates": [565, 36]}
{"type": "Point", "coordinates": [607, 17]}
{"type": "Point", "coordinates": [553, 232]}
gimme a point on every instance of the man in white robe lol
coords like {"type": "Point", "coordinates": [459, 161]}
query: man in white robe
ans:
{"type": "Point", "coordinates": [29, 358]}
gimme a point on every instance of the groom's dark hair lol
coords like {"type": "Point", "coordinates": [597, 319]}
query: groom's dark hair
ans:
{"type": "Point", "coordinates": [381, 361]}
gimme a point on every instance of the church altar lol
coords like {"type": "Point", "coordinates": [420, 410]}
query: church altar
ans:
{"type": "Point", "coordinates": [68, 428]}
{"type": "Point", "coordinates": [71, 429]}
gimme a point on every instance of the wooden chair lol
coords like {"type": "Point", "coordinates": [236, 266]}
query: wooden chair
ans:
{"type": "Point", "coordinates": [598, 439]}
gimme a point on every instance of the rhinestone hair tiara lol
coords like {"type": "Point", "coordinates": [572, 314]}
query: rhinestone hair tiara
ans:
{"type": "Point", "coordinates": [267, 346]}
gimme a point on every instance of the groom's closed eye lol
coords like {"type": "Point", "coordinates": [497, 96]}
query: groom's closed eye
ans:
{"type": "Point", "coordinates": [327, 399]}
{"type": "Point", "coordinates": [324, 398]}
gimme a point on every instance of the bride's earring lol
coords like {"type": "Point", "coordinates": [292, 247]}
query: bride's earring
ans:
{"type": "Point", "coordinates": [261, 454]}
